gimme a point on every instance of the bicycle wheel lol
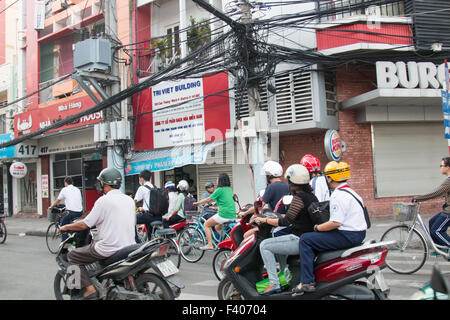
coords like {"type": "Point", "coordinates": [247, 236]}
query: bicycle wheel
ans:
{"type": "Point", "coordinates": [3, 232]}
{"type": "Point", "coordinates": [219, 259]}
{"type": "Point", "coordinates": [174, 253]}
{"type": "Point", "coordinates": [53, 238]}
{"type": "Point", "coordinates": [190, 241]}
{"type": "Point", "coordinates": [410, 259]}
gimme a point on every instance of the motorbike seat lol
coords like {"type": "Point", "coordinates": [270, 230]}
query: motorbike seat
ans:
{"type": "Point", "coordinates": [165, 232]}
{"type": "Point", "coordinates": [328, 255]}
{"type": "Point", "coordinates": [119, 255]}
{"type": "Point", "coordinates": [156, 224]}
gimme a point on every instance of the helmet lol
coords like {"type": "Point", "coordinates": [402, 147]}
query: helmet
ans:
{"type": "Point", "coordinates": [338, 171]}
{"type": "Point", "coordinates": [297, 174]}
{"type": "Point", "coordinates": [183, 185]}
{"type": "Point", "coordinates": [169, 185]}
{"type": "Point", "coordinates": [110, 176]}
{"type": "Point", "coordinates": [311, 163]}
{"type": "Point", "coordinates": [272, 168]}
{"type": "Point", "coordinates": [209, 184]}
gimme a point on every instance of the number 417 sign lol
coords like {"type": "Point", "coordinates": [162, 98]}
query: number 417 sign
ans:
{"type": "Point", "coordinates": [26, 150]}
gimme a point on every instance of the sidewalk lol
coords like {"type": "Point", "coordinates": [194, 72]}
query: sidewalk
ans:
{"type": "Point", "coordinates": [28, 225]}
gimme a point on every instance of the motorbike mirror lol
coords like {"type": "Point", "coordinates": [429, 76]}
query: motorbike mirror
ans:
{"type": "Point", "coordinates": [287, 200]}
{"type": "Point", "coordinates": [236, 199]}
{"type": "Point", "coordinates": [438, 281]}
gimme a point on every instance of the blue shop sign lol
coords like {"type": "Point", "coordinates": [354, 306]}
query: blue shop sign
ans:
{"type": "Point", "coordinates": [7, 152]}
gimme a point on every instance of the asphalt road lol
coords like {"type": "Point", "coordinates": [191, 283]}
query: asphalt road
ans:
{"type": "Point", "coordinates": [28, 269]}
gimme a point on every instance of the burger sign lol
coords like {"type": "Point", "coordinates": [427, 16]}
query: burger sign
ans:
{"type": "Point", "coordinates": [18, 170]}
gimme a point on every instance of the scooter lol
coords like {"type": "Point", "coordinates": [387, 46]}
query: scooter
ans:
{"type": "Point", "coordinates": [437, 289]}
{"type": "Point", "coordinates": [349, 274]}
{"type": "Point", "coordinates": [136, 272]}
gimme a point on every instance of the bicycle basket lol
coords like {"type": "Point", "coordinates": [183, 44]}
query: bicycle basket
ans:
{"type": "Point", "coordinates": [403, 211]}
{"type": "Point", "coordinates": [51, 214]}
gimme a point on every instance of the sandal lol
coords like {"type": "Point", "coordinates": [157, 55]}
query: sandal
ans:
{"type": "Point", "coordinates": [205, 248]}
{"type": "Point", "coordinates": [304, 287]}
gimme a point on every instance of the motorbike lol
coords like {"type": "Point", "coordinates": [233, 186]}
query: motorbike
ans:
{"type": "Point", "coordinates": [232, 243]}
{"type": "Point", "coordinates": [237, 233]}
{"type": "Point", "coordinates": [136, 272]}
{"type": "Point", "coordinates": [348, 274]}
{"type": "Point", "coordinates": [437, 289]}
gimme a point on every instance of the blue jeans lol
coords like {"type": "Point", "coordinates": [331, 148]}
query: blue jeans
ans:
{"type": "Point", "coordinates": [438, 229]}
{"type": "Point", "coordinates": [282, 246]}
{"type": "Point", "coordinates": [145, 218]}
{"type": "Point", "coordinates": [72, 215]}
{"type": "Point", "coordinates": [312, 242]}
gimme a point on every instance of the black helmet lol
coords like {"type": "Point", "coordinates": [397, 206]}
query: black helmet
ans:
{"type": "Point", "coordinates": [110, 176]}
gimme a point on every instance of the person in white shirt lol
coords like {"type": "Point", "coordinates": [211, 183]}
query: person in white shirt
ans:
{"type": "Point", "coordinates": [173, 197]}
{"type": "Point", "coordinates": [142, 194]}
{"type": "Point", "coordinates": [114, 217]}
{"type": "Point", "coordinates": [318, 181]}
{"type": "Point", "coordinates": [73, 202]}
{"type": "Point", "coordinates": [346, 227]}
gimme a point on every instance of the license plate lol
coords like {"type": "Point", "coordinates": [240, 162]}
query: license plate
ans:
{"type": "Point", "coordinates": [167, 268]}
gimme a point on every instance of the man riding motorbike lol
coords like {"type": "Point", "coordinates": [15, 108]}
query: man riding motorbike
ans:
{"type": "Point", "coordinates": [114, 217]}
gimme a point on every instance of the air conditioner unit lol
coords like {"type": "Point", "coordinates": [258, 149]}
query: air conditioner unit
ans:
{"type": "Point", "coordinates": [92, 55]}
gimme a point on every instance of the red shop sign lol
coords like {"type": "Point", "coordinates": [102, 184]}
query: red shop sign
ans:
{"type": "Point", "coordinates": [31, 121]}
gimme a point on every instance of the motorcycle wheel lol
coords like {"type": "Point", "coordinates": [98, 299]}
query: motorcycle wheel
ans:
{"type": "Point", "coordinates": [227, 291]}
{"type": "Point", "coordinates": [60, 288]}
{"type": "Point", "coordinates": [154, 286]}
{"type": "Point", "coordinates": [219, 259]}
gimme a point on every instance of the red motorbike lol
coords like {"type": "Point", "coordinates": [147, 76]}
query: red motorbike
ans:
{"type": "Point", "coordinates": [227, 246]}
{"type": "Point", "coordinates": [349, 274]}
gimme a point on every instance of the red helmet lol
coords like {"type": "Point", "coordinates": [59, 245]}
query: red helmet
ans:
{"type": "Point", "coordinates": [311, 163]}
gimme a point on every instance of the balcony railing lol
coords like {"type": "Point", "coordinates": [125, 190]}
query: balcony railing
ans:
{"type": "Point", "coordinates": [343, 9]}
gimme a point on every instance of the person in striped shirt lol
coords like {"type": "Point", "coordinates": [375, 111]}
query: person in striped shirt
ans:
{"type": "Point", "coordinates": [440, 222]}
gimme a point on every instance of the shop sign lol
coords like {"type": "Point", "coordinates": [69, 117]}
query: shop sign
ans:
{"type": "Point", "coordinates": [7, 152]}
{"type": "Point", "coordinates": [44, 185]}
{"type": "Point", "coordinates": [333, 145]}
{"type": "Point", "coordinates": [446, 110]}
{"type": "Point", "coordinates": [26, 150]}
{"type": "Point", "coordinates": [182, 112]}
{"type": "Point", "coordinates": [67, 143]}
{"type": "Point", "coordinates": [410, 75]}
{"type": "Point", "coordinates": [18, 170]}
{"type": "Point", "coordinates": [42, 117]}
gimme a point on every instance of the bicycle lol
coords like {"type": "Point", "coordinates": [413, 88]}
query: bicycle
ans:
{"type": "Point", "coordinates": [53, 234]}
{"type": "Point", "coordinates": [410, 251]}
{"type": "Point", "coordinates": [3, 232]}
{"type": "Point", "coordinates": [193, 237]}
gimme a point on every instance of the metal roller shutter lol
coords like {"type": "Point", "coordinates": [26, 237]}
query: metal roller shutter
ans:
{"type": "Point", "coordinates": [210, 172]}
{"type": "Point", "coordinates": [407, 158]}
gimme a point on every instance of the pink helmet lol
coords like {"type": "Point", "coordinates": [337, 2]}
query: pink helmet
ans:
{"type": "Point", "coordinates": [311, 163]}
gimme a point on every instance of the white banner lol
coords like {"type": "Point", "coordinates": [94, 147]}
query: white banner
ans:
{"type": "Point", "coordinates": [174, 124]}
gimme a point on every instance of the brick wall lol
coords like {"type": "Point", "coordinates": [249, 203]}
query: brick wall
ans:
{"type": "Point", "coordinates": [351, 81]}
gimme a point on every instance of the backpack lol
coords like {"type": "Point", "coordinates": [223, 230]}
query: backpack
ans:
{"type": "Point", "coordinates": [188, 203]}
{"type": "Point", "coordinates": [319, 212]}
{"type": "Point", "coordinates": [158, 201]}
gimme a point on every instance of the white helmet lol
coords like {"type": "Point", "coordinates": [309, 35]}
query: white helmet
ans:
{"type": "Point", "coordinates": [297, 174]}
{"type": "Point", "coordinates": [183, 185]}
{"type": "Point", "coordinates": [272, 168]}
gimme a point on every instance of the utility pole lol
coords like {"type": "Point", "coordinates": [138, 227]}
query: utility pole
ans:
{"type": "Point", "coordinates": [257, 144]}
{"type": "Point", "coordinates": [114, 157]}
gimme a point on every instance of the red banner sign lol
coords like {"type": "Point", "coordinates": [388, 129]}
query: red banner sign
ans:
{"type": "Point", "coordinates": [31, 121]}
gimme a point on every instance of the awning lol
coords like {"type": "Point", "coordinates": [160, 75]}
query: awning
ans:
{"type": "Point", "coordinates": [169, 158]}
{"type": "Point", "coordinates": [395, 97]}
